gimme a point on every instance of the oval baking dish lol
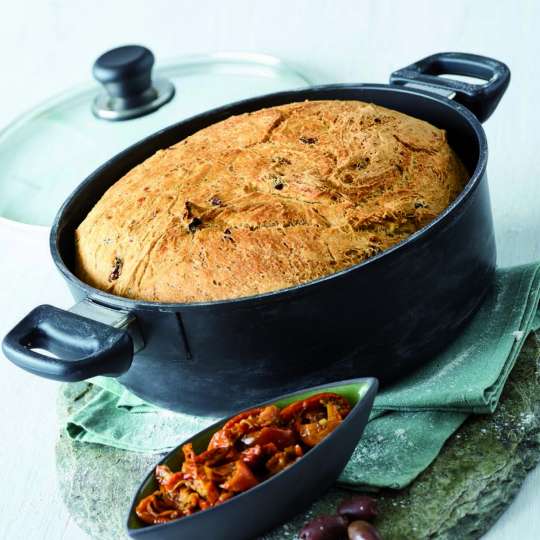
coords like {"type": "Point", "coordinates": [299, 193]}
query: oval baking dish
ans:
{"type": "Point", "coordinates": [247, 514]}
{"type": "Point", "coordinates": [382, 317]}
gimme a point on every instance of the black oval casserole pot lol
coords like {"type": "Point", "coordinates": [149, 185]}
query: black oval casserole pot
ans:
{"type": "Point", "coordinates": [381, 318]}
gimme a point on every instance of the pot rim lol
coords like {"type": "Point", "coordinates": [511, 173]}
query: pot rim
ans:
{"type": "Point", "coordinates": [120, 302]}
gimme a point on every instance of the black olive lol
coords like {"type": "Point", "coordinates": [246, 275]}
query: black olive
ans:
{"type": "Point", "coordinates": [359, 507]}
{"type": "Point", "coordinates": [325, 528]}
{"type": "Point", "coordinates": [362, 530]}
{"type": "Point", "coordinates": [117, 269]}
{"type": "Point", "coordinates": [194, 224]}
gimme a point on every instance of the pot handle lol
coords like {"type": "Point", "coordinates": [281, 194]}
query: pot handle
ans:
{"type": "Point", "coordinates": [83, 348]}
{"type": "Point", "coordinates": [481, 99]}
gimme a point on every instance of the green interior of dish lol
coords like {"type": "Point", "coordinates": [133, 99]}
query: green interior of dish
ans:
{"type": "Point", "coordinates": [352, 391]}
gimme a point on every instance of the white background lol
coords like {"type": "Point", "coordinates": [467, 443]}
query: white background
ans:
{"type": "Point", "coordinates": [47, 46]}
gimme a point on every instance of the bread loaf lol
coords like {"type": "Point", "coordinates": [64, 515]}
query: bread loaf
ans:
{"type": "Point", "coordinates": [267, 200]}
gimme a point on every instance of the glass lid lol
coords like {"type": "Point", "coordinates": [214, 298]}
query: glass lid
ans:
{"type": "Point", "coordinates": [47, 152]}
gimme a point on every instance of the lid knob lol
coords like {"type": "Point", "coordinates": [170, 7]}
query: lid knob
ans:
{"type": "Point", "coordinates": [126, 74]}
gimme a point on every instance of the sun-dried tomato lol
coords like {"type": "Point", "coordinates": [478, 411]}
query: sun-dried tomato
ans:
{"type": "Point", "coordinates": [248, 449]}
{"type": "Point", "coordinates": [316, 417]}
{"type": "Point", "coordinates": [242, 424]}
{"type": "Point", "coordinates": [314, 403]}
{"type": "Point", "coordinates": [279, 436]}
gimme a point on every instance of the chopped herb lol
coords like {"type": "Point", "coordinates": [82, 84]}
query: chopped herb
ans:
{"type": "Point", "coordinates": [278, 160]}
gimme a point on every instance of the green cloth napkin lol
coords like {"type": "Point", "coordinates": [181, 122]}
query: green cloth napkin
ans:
{"type": "Point", "coordinates": [411, 420]}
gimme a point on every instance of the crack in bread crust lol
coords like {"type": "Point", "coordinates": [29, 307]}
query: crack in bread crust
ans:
{"type": "Point", "coordinates": [267, 200]}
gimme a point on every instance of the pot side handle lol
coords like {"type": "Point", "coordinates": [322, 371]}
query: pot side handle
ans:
{"type": "Point", "coordinates": [83, 348]}
{"type": "Point", "coordinates": [481, 99]}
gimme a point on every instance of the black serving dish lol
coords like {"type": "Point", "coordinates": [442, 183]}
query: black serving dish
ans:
{"type": "Point", "coordinates": [382, 317]}
{"type": "Point", "coordinates": [272, 502]}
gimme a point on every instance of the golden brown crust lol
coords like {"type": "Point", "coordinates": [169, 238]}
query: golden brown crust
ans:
{"type": "Point", "coordinates": [267, 200]}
